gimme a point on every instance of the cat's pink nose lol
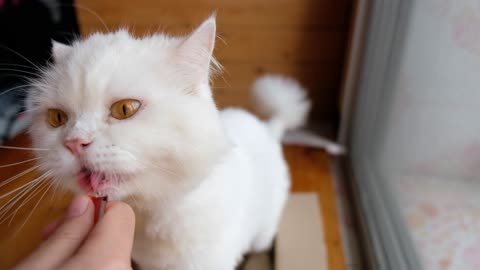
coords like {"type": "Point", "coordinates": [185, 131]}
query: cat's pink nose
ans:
{"type": "Point", "coordinates": [77, 146]}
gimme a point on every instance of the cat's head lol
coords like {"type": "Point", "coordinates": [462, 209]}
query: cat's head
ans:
{"type": "Point", "coordinates": [125, 116]}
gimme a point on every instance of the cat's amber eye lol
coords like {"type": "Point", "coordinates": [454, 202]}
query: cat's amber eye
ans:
{"type": "Point", "coordinates": [124, 108]}
{"type": "Point", "coordinates": [57, 117]}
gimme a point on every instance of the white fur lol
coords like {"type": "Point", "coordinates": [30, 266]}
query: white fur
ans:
{"type": "Point", "coordinates": [283, 101]}
{"type": "Point", "coordinates": [310, 139]}
{"type": "Point", "coordinates": [206, 186]}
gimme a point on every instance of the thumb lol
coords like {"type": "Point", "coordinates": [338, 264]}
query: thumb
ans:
{"type": "Point", "coordinates": [109, 244]}
{"type": "Point", "coordinates": [64, 242]}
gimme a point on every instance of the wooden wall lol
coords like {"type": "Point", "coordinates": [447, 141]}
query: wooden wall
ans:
{"type": "Point", "coordinates": [305, 39]}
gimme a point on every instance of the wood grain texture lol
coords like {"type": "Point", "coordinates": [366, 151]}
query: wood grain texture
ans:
{"type": "Point", "coordinates": [20, 235]}
{"type": "Point", "coordinates": [265, 13]}
{"type": "Point", "coordinates": [305, 39]}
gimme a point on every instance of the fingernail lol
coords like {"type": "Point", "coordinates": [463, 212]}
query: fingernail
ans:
{"type": "Point", "coordinates": [78, 206]}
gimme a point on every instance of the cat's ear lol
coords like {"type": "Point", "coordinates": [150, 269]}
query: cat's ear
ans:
{"type": "Point", "coordinates": [59, 51]}
{"type": "Point", "coordinates": [195, 52]}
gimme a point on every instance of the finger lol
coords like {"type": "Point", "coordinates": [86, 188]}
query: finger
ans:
{"type": "Point", "coordinates": [110, 241]}
{"type": "Point", "coordinates": [51, 228]}
{"type": "Point", "coordinates": [66, 239]}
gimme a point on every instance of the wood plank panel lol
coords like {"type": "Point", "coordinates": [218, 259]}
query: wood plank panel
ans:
{"type": "Point", "coordinates": [274, 33]}
{"type": "Point", "coordinates": [187, 13]}
{"type": "Point", "coordinates": [281, 46]}
{"type": "Point", "coordinates": [234, 84]}
{"type": "Point", "coordinates": [276, 45]}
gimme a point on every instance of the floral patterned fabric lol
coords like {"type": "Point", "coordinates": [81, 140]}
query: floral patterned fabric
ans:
{"type": "Point", "coordinates": [444, 218]}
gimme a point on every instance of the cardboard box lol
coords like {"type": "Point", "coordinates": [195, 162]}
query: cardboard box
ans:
{"type": "Point", "coordinates": [300, 243]}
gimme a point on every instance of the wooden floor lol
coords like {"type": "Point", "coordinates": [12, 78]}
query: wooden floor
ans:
{"type": "Point", "coordinates": [20, 232]}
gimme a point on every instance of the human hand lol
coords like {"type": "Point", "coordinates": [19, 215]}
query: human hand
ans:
{"type": "Point", "coordinates": [75, 242]}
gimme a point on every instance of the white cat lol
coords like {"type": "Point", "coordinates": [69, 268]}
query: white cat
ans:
{"type": "Point", "coordinates": [134, 119]}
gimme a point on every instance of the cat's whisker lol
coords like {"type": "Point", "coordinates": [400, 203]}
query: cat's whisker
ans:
{"type": "Point", "coordinates": [163, 169]}
{"type": "Point", "coordinates": [220, 36]}
{"type": "Point", "coordinates": [91, 12]}
{"type": "Point", "coordinates": [18, 163]}
{"type": "Point", "coordinates": [17, 65]}
{"type": "Point", "coordinates": [23, 148]}
{"type": "Point", "coordinates": [56, 182]}
{"type": "Point", "coordinates": [68, 33]}
{"type": "Point", "coordinates": [30, 110]}
{"type": "Point", "coordinates": [19, 55]}
{"type": "Point", "coordinates": [14, 190]}
{"type": "Point", "coordinates": [14, 88]}
{"type": "Point", "coordinates": [139, 186]}
{"type": "Point", "coordinates": [166, 170]}
{"type": "Point", "coordinates": [32, 191]}
{"type": "Point", "coordinates": [5, 182]}
{"type": "Point", "coordinates": [159, 148]}
{"type": "Point", "coordinates": [6, 212]}
{"type": "Point", "coordinates": [27, 79]}
{"type": "Point", "coordinates": [132, 197]}
{"type": "Point", "coordinates": [24, 186]}
{"type": "Point", "coordinates": [32, 185]}
{"type": "Point", "coordinates": [35, 207]}
{"type": "Point", "coordinates": [218, 87]}
{"type": "Point", "coordinates": [18, 70]}
{"type": "Point", "coordinates": [12, 201]}
{"type": "Point", "coordinates": [148, 164]}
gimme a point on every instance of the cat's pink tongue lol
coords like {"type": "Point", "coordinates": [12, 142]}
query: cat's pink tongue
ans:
{"type": "Point", "coordinates": [90, 181]}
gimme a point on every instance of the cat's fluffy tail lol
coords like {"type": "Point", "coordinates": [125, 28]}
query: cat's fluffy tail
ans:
{"type": "Point", "coordinates": [282, 101]}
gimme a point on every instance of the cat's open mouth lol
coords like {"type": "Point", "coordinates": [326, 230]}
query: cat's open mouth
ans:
{"type": "Point", "coordinates": [92, 181]}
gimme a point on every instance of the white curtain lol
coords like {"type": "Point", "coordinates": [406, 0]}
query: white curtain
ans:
{"type": "Point", "coordinates": [428, 139]}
